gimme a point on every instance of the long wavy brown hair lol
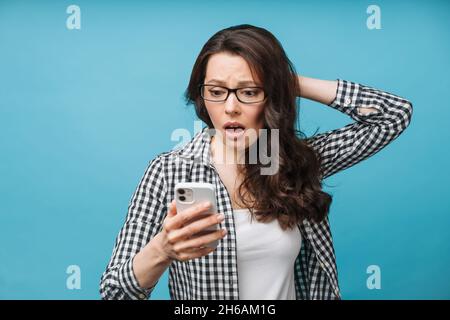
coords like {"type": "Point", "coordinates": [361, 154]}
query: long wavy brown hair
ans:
{"type": "Point", "coordinates": [295, 192]}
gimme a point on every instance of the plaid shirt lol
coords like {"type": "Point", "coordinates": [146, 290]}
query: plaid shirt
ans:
{"type": "Point", "coordinates": [215, 276]}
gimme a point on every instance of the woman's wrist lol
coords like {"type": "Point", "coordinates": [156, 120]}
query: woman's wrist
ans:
{"type": "Point", "coordinates": [150, 263]}
{"type": "Point", "coordinates": [156, 247]}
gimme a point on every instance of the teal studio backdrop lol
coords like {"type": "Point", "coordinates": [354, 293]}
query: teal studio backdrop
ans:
{"type": "Point", "coordinates": [83, 111]}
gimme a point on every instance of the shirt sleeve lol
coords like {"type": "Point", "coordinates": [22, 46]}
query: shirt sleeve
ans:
{"type": "Point", "coordinates": [342, 148]}
{"type": "Point", "coordinates": [146, 211]}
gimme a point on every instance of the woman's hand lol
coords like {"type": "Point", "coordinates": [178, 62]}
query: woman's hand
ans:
{"type": "Point", "coordinates": [183, 236]}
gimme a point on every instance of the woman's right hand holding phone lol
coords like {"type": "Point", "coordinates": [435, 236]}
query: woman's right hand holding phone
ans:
{"type": "Point", "coordinates": [183, 236]}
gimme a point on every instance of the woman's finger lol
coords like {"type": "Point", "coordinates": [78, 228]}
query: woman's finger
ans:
{"type": "Point", "coordinates": [195, 253]}
{"type": "Point", "coordinates": [172, 209]}
{"type": "Point", "coordinates": [200, 241]}
{"type": "Point", "coordinates": [196, 227]}
{"type": "Point", "coordinates": [182, 218]}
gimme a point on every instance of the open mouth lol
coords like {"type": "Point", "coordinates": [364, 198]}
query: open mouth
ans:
{"type": "Point", "coordinates": [233, 125]}
{"type": "Point", "coordinates": [234, 129]}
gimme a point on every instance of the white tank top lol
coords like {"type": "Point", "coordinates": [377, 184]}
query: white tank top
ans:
{"type": "Point", "coordinates": [266, 257]}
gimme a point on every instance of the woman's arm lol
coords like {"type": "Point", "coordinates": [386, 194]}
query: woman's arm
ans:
{"type": "Point", "coordinates": [323, 91]}
{"type": "Point", "coordinates": [150, 263]}
{"type": "Point", "coordinates": [136, 262]}
{"type": "Point", "coordinates": [380, 117]}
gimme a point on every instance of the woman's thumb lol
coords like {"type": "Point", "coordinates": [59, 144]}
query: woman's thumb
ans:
{"type": "Point", "coordinates": [172, 209]}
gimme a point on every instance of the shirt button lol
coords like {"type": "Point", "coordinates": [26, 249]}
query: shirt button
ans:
{"type": "Point", "coordinates": [142, 296]}
{"type": "Point", "coordinates": [347, 101]}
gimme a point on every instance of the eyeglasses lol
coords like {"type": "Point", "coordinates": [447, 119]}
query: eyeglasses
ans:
{"type": "Point", "coordinates": [248, 95]}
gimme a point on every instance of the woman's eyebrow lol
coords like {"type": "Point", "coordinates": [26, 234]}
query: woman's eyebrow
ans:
{"type": "Point", "coordinates": [240, 83]}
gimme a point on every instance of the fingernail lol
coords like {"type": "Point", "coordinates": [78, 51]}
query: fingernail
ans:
{"type": "Point", "coordinates": [221, 217]}
{"type": "Point", "coordinates": [206, 204]}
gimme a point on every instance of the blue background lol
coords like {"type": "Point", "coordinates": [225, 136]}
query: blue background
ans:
{"type": "Point", "coordinates": [82, 112]}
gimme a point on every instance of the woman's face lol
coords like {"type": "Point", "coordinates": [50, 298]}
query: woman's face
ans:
{"type": "Point", "coordinates": [232, 71]}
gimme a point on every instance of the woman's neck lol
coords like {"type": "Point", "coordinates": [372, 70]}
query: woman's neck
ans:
{"type": "Point", "coordinates": [223, 153]}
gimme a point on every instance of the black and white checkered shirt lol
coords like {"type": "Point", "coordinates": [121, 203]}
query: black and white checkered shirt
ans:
{"type": "Point", "coordinates": [215, 276]}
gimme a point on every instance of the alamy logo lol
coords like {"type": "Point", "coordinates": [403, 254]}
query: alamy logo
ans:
{"type": "Point", "coordinates": [374, 280]}
{"type": "Point", "coordinates": [374, 20]}
{"type": "Point", "coordinates": [74, 279]}
{"type": "Point", "coordinates": [74, 20]}
{"type": "Point", "coordinates": [257, 146]}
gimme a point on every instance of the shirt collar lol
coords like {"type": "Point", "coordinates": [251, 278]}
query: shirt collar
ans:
{"type": "Point", "coordinates": [198, 149]}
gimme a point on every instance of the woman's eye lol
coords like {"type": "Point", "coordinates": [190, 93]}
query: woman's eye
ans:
{"type": "Point", "coordinates": [216, 92]}
{"type": "Point", "coordinates": [250, 93]}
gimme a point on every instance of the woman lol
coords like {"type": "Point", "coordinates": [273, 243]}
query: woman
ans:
{"type": "Point", "coordinates": [274, 235]}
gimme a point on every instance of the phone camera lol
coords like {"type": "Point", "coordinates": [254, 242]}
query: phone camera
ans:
{"type": "Point", "coordinates": [182, 198]}
{"type": "Point", "coordinates": [181, 191]}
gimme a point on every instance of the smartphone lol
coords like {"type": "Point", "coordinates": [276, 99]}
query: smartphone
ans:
{"type": "Point", "coordinates": [189, 194]}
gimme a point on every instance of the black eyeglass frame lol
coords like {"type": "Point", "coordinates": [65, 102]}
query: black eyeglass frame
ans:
{"type": "Point", "coordinates": [229, 90]}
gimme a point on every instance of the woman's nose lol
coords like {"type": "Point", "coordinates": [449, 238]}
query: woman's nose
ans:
{"type": "Point", "coordinates": [232, 104]}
